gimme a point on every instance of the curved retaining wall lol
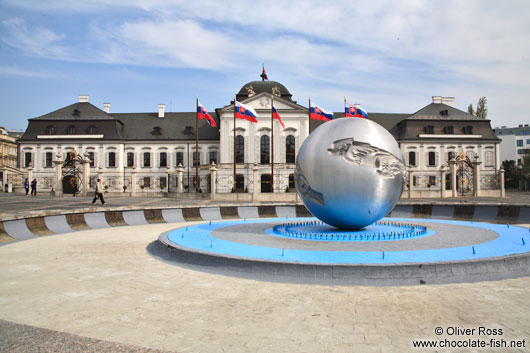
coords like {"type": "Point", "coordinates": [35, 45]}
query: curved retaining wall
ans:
{"type": "Point", "coordinates": [31, 227]}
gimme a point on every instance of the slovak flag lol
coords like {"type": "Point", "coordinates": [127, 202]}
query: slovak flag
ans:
{"type": "Point", "coordinates": [275, 115]}
{"type": "Point", "coordinates": [318, 113]}
{"type": "Point", "coordinates": [246, 112]}
{"type": "Point", "coordinates": [203, 114]}
{"type": "Point", "coordinates": [354, 111]}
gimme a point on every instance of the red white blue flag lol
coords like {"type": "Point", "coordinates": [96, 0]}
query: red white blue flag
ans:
{"type": "Point", "coordinates": [354, 111]}
{"type": "Point", "coordinates": [318, 113]}
{"type": "Point", "coordinates": [275, 115]}
{"type": "Point", "coordinates": [246, 112]}
{"type": "Point", "coordinates": [203, 114]}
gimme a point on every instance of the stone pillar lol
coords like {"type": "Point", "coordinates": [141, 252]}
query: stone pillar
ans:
{"type": "Point", "coordinates": [180, 170]}
{"type": "Point", "coordinates": [86, 175]}
{"type": "Point", "coordinates": [452, 169]}
{"type": "Point", "coordinates": [30, 173]}
{"type": "Point", "coordinates": [476, 177]}
{"type": "Point", "coordinates": [213, 181]}
{"type": "Point", "coordinates": [133, 182]}
{"type": "Point", "coordinates": [410, 179]}
{"type": "Point", "coordinates": [501, 182]}
{"type": "Point", "coordinates": [4, 180]}
{"type": "Point", "coordinates": [58, 175]}
{"type": "Point", "coordinates": [100, 174]}
{"type": "Point", "coordinates": [255, 170]}
{"type": "Point", "coordinates": [442, 181]}
{"type": "Point", "coordinates": [168, 179]}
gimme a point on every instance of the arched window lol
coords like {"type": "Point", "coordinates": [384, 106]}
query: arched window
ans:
{"type": "Point", "coordinates": [240, 149]}
{"type": "Point", "coordinates": [289, 149]}
{"type": "Point", "coordinates": [265, 150]}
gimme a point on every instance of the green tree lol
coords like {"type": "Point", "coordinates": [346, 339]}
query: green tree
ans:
{"type": "Point", "coordinates": [482, 109]}
{"type": "Point", "coordinates": [470, 109]}
{"type": "Point", "coordinates": [511, 174]}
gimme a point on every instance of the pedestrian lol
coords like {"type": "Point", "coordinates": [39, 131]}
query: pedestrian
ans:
{"type": "Point", "coordinates": [34, 187]}
{"type": "Point", "coordinates": [99, 193]}
{"type": "Point", "coordinates": [26, 186]}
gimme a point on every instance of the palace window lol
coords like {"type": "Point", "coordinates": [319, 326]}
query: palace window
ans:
{"type": "Point", "coordinates": [163, 159]}
{"type": "Point", "coordinates": [112, 159]}
{"type": "Point", "coordinates": [163, 182]}
{"type": "Point", "coordinates": [147, 159]}
{"type": "Point", "coordinates": [147, 182]}
{"type": "Point", "coordinates": [50, 130]}
{"type": "Point", "coordinates": [130, 159]}
{"type": "Point", "coordinates": [448, 130]}
{"type": "Point", "coordinates": [291, 182]}
{"type": "Point", "coordinates": [289, 149]}
{"type": "Point", "coordinates": [488, 159]}
{"type": "Point", "coordinates": [48, 163]}
{"type": "Point", "coordinates": [92, 159]}
{"type": "Point", "coordinates": [467, 130]}
{"type": "Point", "coordinates": [180, 158]}
{"type": "Point", "coordinates": [71, 130]}
{"type": "Point", "coordinates": [432, 180]}
{"type": "Point", "coordinates": [265, 149]}
{"type": "Point", "coordinates": [412, 158]}
{"type": "Point", "coordinates": [240, 149]}
{"type": "Point", "coordinates": [92, 130]}
{"type": "Point", "coordinates": [27, 159]}
{"type": "Point", "coordinates": [213, 157]}
{"type": "Point", "coordinates": [519, 143]}
{"type": "Point", "coordinates": [429, 129]}
{"type": "Point", "coordinates": [432, 159]}
{"type": "Point", "coordinates": [195, 159]}
{"type": "Point", "coordinates": [450, 155]}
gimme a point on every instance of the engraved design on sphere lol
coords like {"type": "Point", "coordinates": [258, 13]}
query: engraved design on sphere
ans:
{"type": "Point", "coordinates": [350, 172]}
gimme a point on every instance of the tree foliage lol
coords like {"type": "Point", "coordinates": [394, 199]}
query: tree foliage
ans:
{"type": "Point", "coordinates": [482, 108]}
{"type": "Point", "coordinates": [470, 109]}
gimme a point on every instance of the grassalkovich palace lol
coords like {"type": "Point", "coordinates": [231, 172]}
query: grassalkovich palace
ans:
{"type": "Point", "coordinates": [448, 151]}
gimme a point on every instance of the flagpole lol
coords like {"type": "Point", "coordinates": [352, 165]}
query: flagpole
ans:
{"type": "Point", "coordinates": [234, 181]}
{"type": "Point", "coordinates": [272, 144]}
{"type": "Point", "coordinates": [197, 146]}
{"type": "Point", "coordinates": [309, 118]}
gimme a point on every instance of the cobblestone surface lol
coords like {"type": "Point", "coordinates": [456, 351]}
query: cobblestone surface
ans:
{"type": "Point", "coordinates": [102, 285]}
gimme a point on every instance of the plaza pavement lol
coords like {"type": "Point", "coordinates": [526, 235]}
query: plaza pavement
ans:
{"type": "Point", "coordinates": [100, 291]}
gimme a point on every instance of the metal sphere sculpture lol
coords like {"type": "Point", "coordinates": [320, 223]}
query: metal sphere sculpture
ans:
{"type": "Point", "coordinates": [350, 172]}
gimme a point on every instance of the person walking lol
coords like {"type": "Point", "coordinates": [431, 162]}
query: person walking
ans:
{"type": "Point", "coordinates": [99, 193]}
{"type": "Point", "coordinates": [34, 187]}
{"type": "Point", "coordinates": [26, 186]}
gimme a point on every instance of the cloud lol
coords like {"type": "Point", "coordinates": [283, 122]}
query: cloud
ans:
{"type": "Point", "coordinates": [34, 41]}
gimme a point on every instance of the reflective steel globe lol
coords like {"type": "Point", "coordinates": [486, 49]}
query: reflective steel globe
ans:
{"type": "Point", "coordinates": [350, 172]}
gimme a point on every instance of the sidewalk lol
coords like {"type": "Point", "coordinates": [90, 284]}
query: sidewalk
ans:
{"type": "Point", "coordinates": [12, 205]}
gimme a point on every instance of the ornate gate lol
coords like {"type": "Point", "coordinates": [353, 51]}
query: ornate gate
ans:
{"type": "Point", "coordinates": [72, 173]}
{"type": "Point", "coordinates": [464, 174]}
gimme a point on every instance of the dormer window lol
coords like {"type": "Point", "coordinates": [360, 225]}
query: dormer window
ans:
{"type": "Point", "coordinates": [76, 112]}
{"type": "Point", "coordinates": [92, 130]}
{"type": "Point", "coordinates": [71, 130]}
{"type": "Point", "coordinates": [444, 112]}
{"type": "Point", "coordinates": [448, 130]}
{"type": "Point", "coordinates": [50, 130]}
{"type": "Point", "coordinates": [188, 130]}
{"type": "Point", "coordinates": [429, 129]}
{"type": "Point", "coordinates": [157, 130]}
{"type": "Point", "coordinates": [468, 130]}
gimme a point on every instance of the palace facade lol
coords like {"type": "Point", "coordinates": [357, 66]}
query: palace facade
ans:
{"type": "Point", "coordinates": [133, 153]}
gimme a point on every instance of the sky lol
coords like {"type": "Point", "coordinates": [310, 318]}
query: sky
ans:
{"type": "Point", "coordinates": [389, 56]}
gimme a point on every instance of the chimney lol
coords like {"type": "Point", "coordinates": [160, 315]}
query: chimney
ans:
{"type": "Point", "coordinates": [161, 108]}
{"type": "Point", "coordinates": [106, 107]}
{"type": "Point", "coordinates": [437, 99]}
{"type": "Point", "coordinates": [83, 98]}
{"type": "Point", "coordinates": [450, 101]}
